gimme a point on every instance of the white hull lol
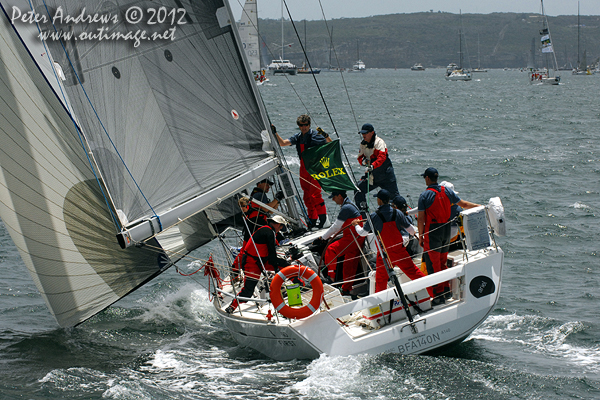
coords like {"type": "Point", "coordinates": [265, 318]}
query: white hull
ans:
{"type": "Point", "coordinates": [458, 77]}
{"type": "Point", "coordinates": [344, 329]}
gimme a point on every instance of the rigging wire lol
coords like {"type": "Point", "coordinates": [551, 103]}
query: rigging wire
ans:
{"type": "Point", "coordinates": [80, 135]}
{"type": "Point", "coordinates": [99, 120]}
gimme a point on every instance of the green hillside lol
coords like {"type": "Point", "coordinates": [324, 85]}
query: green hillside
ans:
{"type": "Point", "coordinates": [401, 40]}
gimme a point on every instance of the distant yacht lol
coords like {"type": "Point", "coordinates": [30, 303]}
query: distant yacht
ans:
{"type": "Point", "coordinates": [417, 67]}
{"type": "Point", "coordinates": [282, 67]}
{"type": "Point", "coordinates": [359, 66]}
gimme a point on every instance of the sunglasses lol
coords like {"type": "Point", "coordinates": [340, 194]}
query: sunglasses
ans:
{"type": "Point", "coordinates": [303, 124]}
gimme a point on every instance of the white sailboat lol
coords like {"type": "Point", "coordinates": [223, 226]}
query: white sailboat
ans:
{"type": "Point", "coordinates": [112, 175]}
{"type": "Point", "coordinates": [359, 65]}
{"type": "Point", "coordinates": [454, 72]}
{"type": "Point", "coordinates": [479, 69]}
{"type": "Point", "coordinates": [582, 66]}
{"type": "Point", "coordinates": [248, 28]}
{"type": "Point", "coordinates": [547, 76]}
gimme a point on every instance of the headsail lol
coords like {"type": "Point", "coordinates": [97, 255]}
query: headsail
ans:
{"type": "Point", "coordinates": [249, 34]}
{"type": "Point", "coordinates": [167, 124]}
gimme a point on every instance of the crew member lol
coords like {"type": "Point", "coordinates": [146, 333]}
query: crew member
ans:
{"type": "Point", "coordinates": [411, 242]}
{"type": "Point", "coordinates": [373, 154]}
{"type": "Point", "coordinates": [257, 215]}
{"type": "Point", "coordinates": [348, 246]}
{"type": "Point", "coordinates": [306, 138]}
{"type": "Point", "coordinates": [435, 205]}
{"type": "Point", "coordinates": [388, 223]}
{"type": "Point", "coordinates": [260, 256]}
{"type": "Point", "coordinates": [454, 211]}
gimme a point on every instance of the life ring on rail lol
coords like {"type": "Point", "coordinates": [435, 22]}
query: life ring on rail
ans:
{"type": "Point", "coordinates": [301, 272]}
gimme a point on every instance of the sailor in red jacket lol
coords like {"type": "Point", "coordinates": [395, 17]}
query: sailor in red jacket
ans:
{"type": "Point", "coordinates": [373, 154]}
{"type": "Point", "coordinates": [260, 256]}
{"type": "Point", "coordinates": [388, 223]}
{"type": "Point", "coordinates": [434, 227]}
{"type": "Point", "coordinates": [348, 246]}
{"type": "Point", "coordinates": [306, 138]}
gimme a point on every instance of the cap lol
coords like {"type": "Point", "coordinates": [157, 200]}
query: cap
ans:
{"type": "Point", "coordinates": [430, 172]}
{"type": "Point", "coordinates": [277, 219]}
{"type": "Point", "coordinates": [384, 195]}
{"type": "Point", "coordinates": [336, 193]}
{"type": "Point", "coordinates": [266, 180]}
{"type": "Point", "coordinates": [448, 185]}
{"type": "Point", "coordinates": [366, 128]}
{"type": "Point", "coordinates": [399, 201]}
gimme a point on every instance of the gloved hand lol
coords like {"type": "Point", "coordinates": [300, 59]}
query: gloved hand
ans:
{"type": "Point", "coordinates": [273, 129]}
{"type": "Point", "coordinates": [319, 241]}
{"type": "Point", "coordinates": [369, 169]}
{"type": "Point", "coordinates": [279, 195]}
{"type": "Point", "coordinates": [322, 132]}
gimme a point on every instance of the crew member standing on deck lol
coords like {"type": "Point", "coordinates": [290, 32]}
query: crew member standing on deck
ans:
{"type": "Point", "coordinates": [388, 223]}
{"type": "Point", "coordinates": [306, 138]}
{"type": "Point", "coordinates": [435, 205]}
{"type": "Point", "coordinates": [380, 172]}
{"type": "Point", "coordinates": [259, 256]}
{"type": "Point", "coordinates": [348, 246]}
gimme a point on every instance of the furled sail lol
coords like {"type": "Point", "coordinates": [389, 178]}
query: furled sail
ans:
{"type": "Point", "coordinates": [157, 132]}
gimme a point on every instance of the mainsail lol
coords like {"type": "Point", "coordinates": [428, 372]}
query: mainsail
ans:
{"type": "Point", "coordinates": [136, 139]}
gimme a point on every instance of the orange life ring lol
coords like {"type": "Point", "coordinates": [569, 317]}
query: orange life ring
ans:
{"type": "Point", "coordinates": [308, 275]}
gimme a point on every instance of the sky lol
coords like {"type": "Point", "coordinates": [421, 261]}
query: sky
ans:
{"type": "Point", "coordinates": [333, 9]}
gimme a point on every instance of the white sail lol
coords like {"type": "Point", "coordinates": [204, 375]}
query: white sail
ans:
{"type": "Point", "coordinates": [148, 134]}
{"type": "Point", "coordinates": [249, 34]}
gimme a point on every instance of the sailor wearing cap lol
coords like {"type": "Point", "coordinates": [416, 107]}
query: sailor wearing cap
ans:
{"type": "Point", "coordinates": [435, 205]}
{"type": "Point", "coordinates": [348, 246]}
{"type": "Point", "coordinates": [410, 241]}
{"type": "Point", "coordinates": [388, 224]}
{"type": "Point", "coordinates": [307, 138]}
{"type": "Point", "coordinates": [259, 255]}
{"type": "Point", "coordinates": [257, 215]}
{"type": "Point", "coordinates": [373, 154]}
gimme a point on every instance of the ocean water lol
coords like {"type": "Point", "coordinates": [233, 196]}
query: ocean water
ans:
{"type": "Point", "coordinates": [535, 147]}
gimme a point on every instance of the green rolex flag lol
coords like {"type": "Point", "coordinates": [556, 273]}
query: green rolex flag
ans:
{"type": "Point", "coordinates": [324, 163]}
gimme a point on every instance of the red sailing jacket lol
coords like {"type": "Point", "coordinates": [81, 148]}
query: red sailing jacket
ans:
{"type": "Point", "coordinates": [439, 211]}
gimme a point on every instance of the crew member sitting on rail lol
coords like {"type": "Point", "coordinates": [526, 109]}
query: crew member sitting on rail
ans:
{"type": "Point", "coordinates": [348, 246]}
{"type": "Point", "coordinates": [388, 223]}
{"type": "Point", "coordinates": [259, 255]}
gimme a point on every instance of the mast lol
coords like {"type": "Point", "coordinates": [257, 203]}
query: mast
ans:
{"type": "Point", "coordinates": [281, 30]}
{"type": "Point", "coordinates": [578, 28]}
{"type": "Point", "coordinates": [548, 47]}
{"type": "Point", "coordinates": [460, 55]}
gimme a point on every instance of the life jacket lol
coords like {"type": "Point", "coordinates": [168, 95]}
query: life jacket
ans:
{"type": "Point", "coordinates": [350, 233]}
{"type": "Point", "coordinates": [255, 214]}
{"type": "Point", "coordinates": [439, 211]}
{"type": "Point", "coordinates": [390, 234]}
{"type": "Point", "coordinates": [258, 250]}
{"type": "Point", "coordinates": [300, 147]}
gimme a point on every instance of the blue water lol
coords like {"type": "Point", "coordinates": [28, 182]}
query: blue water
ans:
{"type": "Point", "coordinates": [535, 147]}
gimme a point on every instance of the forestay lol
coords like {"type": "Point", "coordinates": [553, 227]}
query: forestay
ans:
{"type": "Point", "coordinates": [132, 134]}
